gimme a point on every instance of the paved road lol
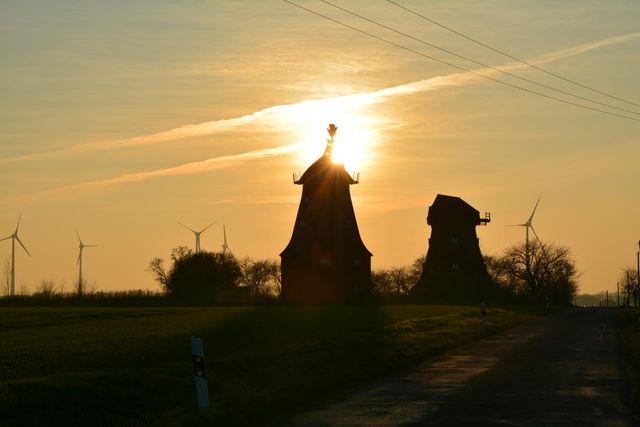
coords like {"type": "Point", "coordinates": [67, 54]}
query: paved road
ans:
{"type": "Point", "coordinates": [562, 370]}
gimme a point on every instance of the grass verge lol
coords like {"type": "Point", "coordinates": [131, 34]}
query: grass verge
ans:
{"type": "Point", "coordinates": [132, 366]}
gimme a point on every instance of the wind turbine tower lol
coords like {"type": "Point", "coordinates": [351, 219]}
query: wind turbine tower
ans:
{"type": "Point", "coordinates": [13, 238]}
{"type": "Point", "coordinates": [528, 224]}
{"type": "Point", "coordinates": [225, 246]}
{"type": "Point", "coordinates": [198, 233]}
{"type": "Point", "coordinates": [79, 262]}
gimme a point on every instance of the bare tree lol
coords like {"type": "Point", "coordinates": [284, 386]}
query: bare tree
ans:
{"type": "Point", "coordinates": [544, 272]}
{"type": "Point", "coordinates": [156, 266]}
{"type": "Point", "coordinates": [46, 289]}
{"type": "Point", "coordinates": [629, 285]}
{"type": "Point", "coordinates": [261, 276]}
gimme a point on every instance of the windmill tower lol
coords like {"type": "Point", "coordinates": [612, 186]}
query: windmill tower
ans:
{"type": "Point", "coordinates": [325, 260]}
{"type": "Point", "coordinates": [528, 225]}
{"type": "Point", "coordinates": [14, 237]}
{"type": "Point", "coordinates": [225, 246]}
{"type": "Point", "coordinates": [81, 245]}
{"type": "Point", "coordinates": [454, 268]}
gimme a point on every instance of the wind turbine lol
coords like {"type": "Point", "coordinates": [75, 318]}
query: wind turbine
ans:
{"type": "Point", "coordinates": [81, 246]}
{"type": "Point", "coordinates": [198, 233]}
{"type": "Point", "coordinates": [13, 238]}
{"type": "Point", "coordinates": [528, 224]}
{"type": "Point", "coordinates": [225, 247]}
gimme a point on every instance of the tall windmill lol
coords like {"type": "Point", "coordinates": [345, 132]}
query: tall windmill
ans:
{"type": "Point", "coordinates": [225, 246]}
{"type": "Point", "coordinates": [528, 224]}
{"type": "Point", "coordinates": [198, 233]}
{"type": "Point", "coordinates": [13, 238]}
{"type": "Point", "coordinates": [81, 245]}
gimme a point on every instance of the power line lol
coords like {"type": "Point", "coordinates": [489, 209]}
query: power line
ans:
{"type": "Point", "coordinates": [511, 56]}
{"type": "Point", "coordinates": [457, 66]}
{"type": "Point", "coordinates": [477, 62]}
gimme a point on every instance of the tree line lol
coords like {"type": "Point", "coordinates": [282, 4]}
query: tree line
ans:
{"type": "Point", "coordinates": [541, 273]}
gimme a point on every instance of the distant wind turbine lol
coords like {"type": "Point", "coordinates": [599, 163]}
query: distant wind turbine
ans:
{"type": "Point", "coordinates": [79, 262]}
{"type": "Point", "coordinates": [198, 233]}
{"type": "Point", "coordinates": [225, 246]}
{"type": "Point", "coordinates": [528, 224]}
{"type": "Point", "coordinates": [13, 238]}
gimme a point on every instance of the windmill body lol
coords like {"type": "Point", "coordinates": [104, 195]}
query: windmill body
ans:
{"type": "Point", "coordinates": [13, 238]}
{"type": "Point", "coordinates": [198, 233]}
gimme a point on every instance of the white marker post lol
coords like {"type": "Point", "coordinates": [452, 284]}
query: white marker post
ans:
{"type": "Point", "coordinates": [202, 389]}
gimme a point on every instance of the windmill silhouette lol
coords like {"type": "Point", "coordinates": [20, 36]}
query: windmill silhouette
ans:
{"type": "Point", "coordinates": [13, 238]}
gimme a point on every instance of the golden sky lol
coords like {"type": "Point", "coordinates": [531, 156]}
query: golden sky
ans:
{"type": "Point", "coordinates": [121, 118]}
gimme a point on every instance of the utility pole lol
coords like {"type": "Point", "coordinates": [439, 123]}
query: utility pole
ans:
{"type": "Point", "coordinates": [607, 298]}
{"type": "Point", "coordinates": [618, 292]}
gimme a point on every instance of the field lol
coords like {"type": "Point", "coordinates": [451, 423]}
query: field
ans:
{"type": "Point", "coordinates": [630, 325]}
{"type": "Point", "coordinates": [132, 366]}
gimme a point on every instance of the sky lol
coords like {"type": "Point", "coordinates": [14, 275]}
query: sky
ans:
{"type": "Point", "coordinates": [121, 118]}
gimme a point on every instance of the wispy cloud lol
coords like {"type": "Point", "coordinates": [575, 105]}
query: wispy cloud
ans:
{"type": "Point", "coordinates": [272, 116]}
{"type": "Point", "coordinates": [223, 125]}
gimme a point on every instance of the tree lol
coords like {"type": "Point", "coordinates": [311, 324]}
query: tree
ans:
{"type": "Point", "coordinates": [261, 276]}
{"type": "Point", "coordinates": [397, 280]}
{"type": "Point", "coordinates": [200, 277]}
{"type": "Point", "coordinates": [629, 285]}
{"type": "Point", "coordinates": [545, 272]}
{"type": "Point", "coordinates": [47, 289]}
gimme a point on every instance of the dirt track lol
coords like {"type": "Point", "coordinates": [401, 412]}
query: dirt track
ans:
{"type": "Point", "coordinates": [561, 370]}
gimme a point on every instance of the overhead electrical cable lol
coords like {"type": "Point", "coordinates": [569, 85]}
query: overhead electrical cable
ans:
{"type": "Point", "coordinates": [478, 62]}
{"type": "Point", "coordinates": [408, 49]}
{"type": "Point", "coordinates": [501, 52]}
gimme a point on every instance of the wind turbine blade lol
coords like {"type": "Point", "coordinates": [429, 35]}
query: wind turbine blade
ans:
{"type": "Point", "coordinates": [209, 225]}
{"type": "Point", "coordinates": [516, 225]}
{"type": "Point", "coordinates": [18, 225]}
{"type": "Point", "coordinates": [23, 247]}
{"type": "Point", "coordinates": [534, 211]}
{"type": "Point", "coordinates": [90, 246]}
{"type": "Point", "coordinates": [6, 238]}
{"type": "Point", "coordinates": [79, 239]}
{"type": "Point", "coordinates": [536, 234]}
{"type": "Point", "coordinates": [190, 229]}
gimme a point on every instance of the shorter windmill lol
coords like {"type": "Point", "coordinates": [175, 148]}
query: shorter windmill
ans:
{"type": "Point", "coordinates": [528, 224]}
{"type": "Point", "coordinates": [225, 246]}
{"type": "Point", "coordinates": [79, 263]}
{"type": "Point", "coordinates": [13, 238]}
{"type": "Point", "coordinates": [198, 233]}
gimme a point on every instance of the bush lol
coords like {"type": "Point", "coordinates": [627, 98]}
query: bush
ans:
{"type": "Point", "coordinates": [201, 277]}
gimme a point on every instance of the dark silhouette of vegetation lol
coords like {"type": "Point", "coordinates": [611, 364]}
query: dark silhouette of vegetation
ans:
{"type": "Point", "coordinates": [396, 280]}
{"type": "Point", "coordinates": [201, 277]}
{"type": "Point", "coordinates": [542, 273]}
{"type": "Point", "coordinates": [629, 289]}
{"type": "Point", "coordinates": [262, 277]}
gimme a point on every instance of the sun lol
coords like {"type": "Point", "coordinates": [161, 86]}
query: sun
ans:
{"type": "Point", "coordinates": [354, 139]}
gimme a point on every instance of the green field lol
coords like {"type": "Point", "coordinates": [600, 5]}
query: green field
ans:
{"type": "Point", "coordinates": [132, 366]}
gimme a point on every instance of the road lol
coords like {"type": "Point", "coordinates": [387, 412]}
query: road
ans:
{"type": "Point", "coordinates": [560, 370]}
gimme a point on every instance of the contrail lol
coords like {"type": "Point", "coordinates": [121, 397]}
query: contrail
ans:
{"type": "Point", "coordinates": [213, 163]}
{"type": "Point", "coordinates": [211, 127]}
{"type": "Point", "coordinates": [223, 125]}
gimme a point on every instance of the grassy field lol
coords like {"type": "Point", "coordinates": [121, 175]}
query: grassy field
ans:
{"type": "Point", "coordinates": [132, 366]}
{"type": "Point", "coordinates": [630, 325]}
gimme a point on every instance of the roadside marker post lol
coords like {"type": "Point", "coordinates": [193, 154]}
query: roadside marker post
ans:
{"type": "Point", "coordinates": [202, 388]}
